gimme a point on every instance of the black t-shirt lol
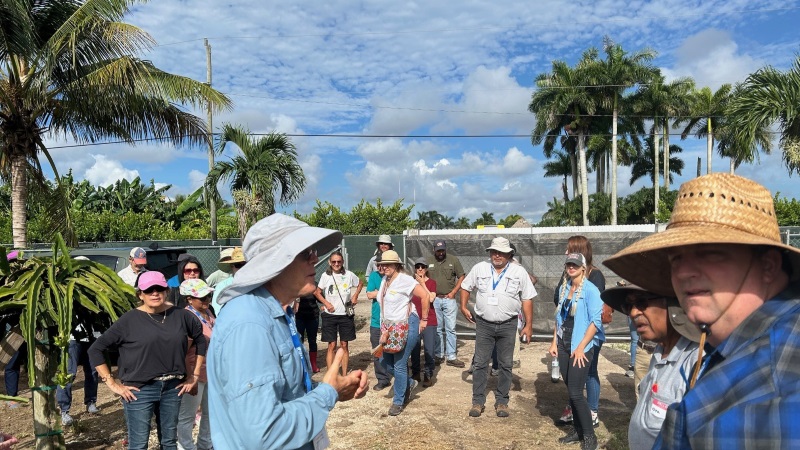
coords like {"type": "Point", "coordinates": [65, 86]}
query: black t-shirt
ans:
{"type": "Point", "coordinates": [149, 348]}
{"type": "Point", "coordinates": [308, 306]}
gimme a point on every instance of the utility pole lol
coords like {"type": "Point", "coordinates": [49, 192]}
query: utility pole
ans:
{"type": "Point", "coordinates": [212, 204]}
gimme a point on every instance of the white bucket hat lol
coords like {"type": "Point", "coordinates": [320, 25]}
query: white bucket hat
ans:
{"type": "Point", "coordinates": [270, 246]}
{"type": "Point", "coordinates": [501, 245]}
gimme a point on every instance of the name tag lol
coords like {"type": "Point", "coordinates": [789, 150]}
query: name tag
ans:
{"type": "Point", "coordinates": [492, 300]}
{"type": "Point", "coordinates": [658, 409]}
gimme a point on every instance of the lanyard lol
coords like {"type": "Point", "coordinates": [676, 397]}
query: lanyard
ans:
{"type": "Point", "coordinates": [200, 316]}
{"type": "Point", "coordinates": [289, 316]}
{"type": "Point", "coordinates": [495, 283]}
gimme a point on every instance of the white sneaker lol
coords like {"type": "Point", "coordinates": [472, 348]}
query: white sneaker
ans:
{"type": "Point", "coordinates": [91, 408]}
{"type": "Point", "coordinates": [595, 420]}
{"type": "Point", "coordinates": [66, 419]}
{"type": "Point", "coordinates": [566, 416]}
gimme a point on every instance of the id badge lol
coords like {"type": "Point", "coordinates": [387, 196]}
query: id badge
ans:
{"type": "Point", "coordinates": [492, 300]}
{"type": "Point", "coordinates": [321, 441]}
{"type": "Point", "coordinates": [658, 409]}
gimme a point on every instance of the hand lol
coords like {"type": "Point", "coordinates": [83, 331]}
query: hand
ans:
{"type": "Point", "coordinates": [449, 295]}
{"type": "Point", "coordinates": [352, 385]}
{"type": "Point", "coordinates": [527, 332]}
{"type": "Point", "coordinates": [126, 392]}
{"type": "Point", "coordinates": [553, 351]}
{"type": "Point", "coordinates": [329, 307]}
{"type": "Point", "coordinates": [580, 359]}
{"type": "Point", "coordinates": [187, 386]}
{"type": "Point", "coordinates": [422, 325]}
{"type": "Point", "coordinates": [355, 300]}
{"type": "Point", "coordinates": [467, 314]}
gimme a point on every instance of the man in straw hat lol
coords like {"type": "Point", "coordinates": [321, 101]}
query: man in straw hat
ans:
{"type": "Point", "coordinates": [722, 254]}
{"type": "Point", "coordinates": [223, 271]}
{"type": "Point", "coordinates": [659, 319]}
{"type": "Point", "coordinates": [260, 390]}
{"type": "Point", "coordinates": [502, 290]}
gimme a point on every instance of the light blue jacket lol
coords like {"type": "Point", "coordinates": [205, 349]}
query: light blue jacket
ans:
{"type": "Point", "coordinates": [256, 395]}
{"type": "Point", "coordinates": [590, 310]}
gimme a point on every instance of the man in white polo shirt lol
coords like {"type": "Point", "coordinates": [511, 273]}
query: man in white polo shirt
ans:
{"type": "Point", "coordinates": [503, 289]}
{"type": "Point", "coordinates": [137, 261]}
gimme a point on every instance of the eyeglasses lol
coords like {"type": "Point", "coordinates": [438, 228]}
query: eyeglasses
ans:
{"type": "Point", "coordinates": [205, 299]}
{"type": "Point", "coordinates": [308, 254]}
{"type": "Point", "coordinates": [188, 270]}
{"type": "Point", "coordinates": [152, 289]}
{"type": "Point", "coordinates": [239, 265]}
{"type": "Point", "coordinates": [641, 303]}
{"type": "Point", "coordinates": [336, 262]}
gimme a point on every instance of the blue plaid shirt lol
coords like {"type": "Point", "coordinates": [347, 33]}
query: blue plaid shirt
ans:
{"type": "Point", "coordinates": [748, 395]}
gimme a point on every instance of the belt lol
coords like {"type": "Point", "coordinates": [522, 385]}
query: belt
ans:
{"type": "Point", "coordinates": [649, 347]}
{"type": "Point", "coordinates": [498, 323]}
{"type": "Point", "coordinates": [168, 377]}
{"type": "Point", "coordinates": [442, 296]}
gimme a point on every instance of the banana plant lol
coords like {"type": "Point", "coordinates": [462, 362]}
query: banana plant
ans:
{"type": "Point", "coordinates": [56, 295]}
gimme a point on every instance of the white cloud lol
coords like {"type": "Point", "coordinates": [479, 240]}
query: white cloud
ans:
{"type": "Point", "coordinates": [107, 171]}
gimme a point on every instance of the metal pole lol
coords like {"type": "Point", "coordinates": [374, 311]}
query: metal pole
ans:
{"type": "Point", "coordinates": [212, 204]}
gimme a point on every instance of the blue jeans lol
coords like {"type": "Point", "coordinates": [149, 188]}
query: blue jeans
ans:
{"type": "Point", "coordinates": [446, 312]}
{"type": "Point", "coordinates": [11, 372]}
{"type": "Point", "coordinates": [159, 398]}
{"type": "Point", "coordinates": [78, 355]}
{"type": "Point", "coordinates": [489, 336]}
{"type": "Point", "coordinates": [634, 341]}
{"type": "Point", "coordinates": [593, 382]}
{"type": "Point", "coordinates": [397, 363]}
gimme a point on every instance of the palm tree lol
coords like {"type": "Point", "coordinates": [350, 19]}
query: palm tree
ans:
{"type": "Point", "coordinates": [769, 96]}
{"type": "Point", "coordinates": [462, 223]}
{"type": "Point", "coordinates": [707, 111]}
{"type": "Point", "coordinates": [69, 68]}
{"type": "Point", "coordinates": [677, 103]}
{"type": "Point", "coordinates": [619, 72]}
{"type": "Point", "coordinates": [559, 167]}
{"type": "Point", "coordinates": [644, 164]}
{"type": "Point", "coordinates": [566, 101]}
{"type": "Point", "coordinates": [265, 167]}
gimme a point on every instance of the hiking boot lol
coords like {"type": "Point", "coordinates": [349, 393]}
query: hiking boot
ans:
{"type": "Point", "coordinates": [379, 387]}
{"type": "Point", "coordinates": [566, 416]}
{"type": "Point", "coordinates": [589, 443]}
{"type": "Point", "coordinates": [471, 368]}
{"type": "Point", "coordinates": [595, 420]}
{"type": "Point", "coordinates": [438, 360]}
{"type": "Point", "coordinates": [395, 410]}
{"type": "Point", "coordinates": [456, 363]}
{"type": "Point", "coordinates": [91, 408]}
{"type": "Point", "coordinates": [476, 410]}
{"type": "Point", "coordinates": [501, 410]}
{"type": "Point", "coordinates": [66, 419]}
{"type": "Point", "coordinates": [571, 438]}
{"type": "Point", "coordinates": [516, 364]}
{"type": "Point", "coordinates": [427, 380]}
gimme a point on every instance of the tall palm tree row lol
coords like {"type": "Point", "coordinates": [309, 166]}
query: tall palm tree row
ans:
{"type": "Point", "coordinates": [266, 167]}
{"type": "Point", "coordinates": [69, 68]}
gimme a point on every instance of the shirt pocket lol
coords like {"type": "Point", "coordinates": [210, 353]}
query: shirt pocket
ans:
{"type": "Point", "coordinates": [484, 283]}
{"type": "Point", "coordinates": [656, 410]}
{"type": "Point", "coordinates": [512, 287]}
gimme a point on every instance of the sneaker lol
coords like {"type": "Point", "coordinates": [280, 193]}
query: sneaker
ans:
{"type": "Point", "coordinates": [471, 368]}
{"type": "Point", "coordinates": [11, 404]}
{"type": "Point", "coordinates": [494, 372]}
{"type": "Point", "coordinates": [589, 443]}
{"type": "Point", "coordinates": [571, 438]}
{"type": "Point", "coordinates": [566, 415]}
{"type": "Point", "coordinates": [66, 419]}
{"type": "Point", "coordinates": [595, 420]}
{"type": "Point", "coordinates": [427, 380]}
{"type": "Point", "coordinates": [456, 363]}
{"type": "Point", "coordinates": [476, 410]}
{"type": "Point", "coordinates": [438, 360]}
{"type": "Point", "coordinates": [379, 387]}
{"type": "Point", "coordinates": [501, 410]}
{"type": "Point", "coordinates": [516, 364]}
{"type": "Point", "coordinates": [91, 408]}
{"type": "Point", "coordinates": [395, 410]}
{"type": "Point", "coordinates": [629, 373]}
{"type": "Point", "coordinates": [409, 390]}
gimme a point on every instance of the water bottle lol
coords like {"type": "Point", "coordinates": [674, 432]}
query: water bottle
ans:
{"type": "Point", "coordinates": [555, 373]}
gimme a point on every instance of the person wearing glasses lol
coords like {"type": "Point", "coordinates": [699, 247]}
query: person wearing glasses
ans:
{"type": "Point", "coordinates": [338, 287]}
{"type": "Point", "coordinates": [659, 319]}
{"type": "Point", "coordinates": [189, 268]}
{"type": "Point", "coordinates": [428, 336]}
{"type": "Point", "coordinates": [232, 265]}
{"type": "Point", "coordinates": [198, 295]}
{"type": "Point", "coordinates": [153, 340]}
{"type": "Point", "coordinates": [265, 399]}
{"type": "Point", "coordinates": [575, 339]}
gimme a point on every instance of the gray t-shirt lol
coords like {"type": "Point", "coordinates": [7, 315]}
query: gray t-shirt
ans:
{"type": "Point", "coordinates": [666, 382]}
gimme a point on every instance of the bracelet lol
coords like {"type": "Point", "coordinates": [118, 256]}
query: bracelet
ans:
{"type": "Point", "coordinates": [106, 378]}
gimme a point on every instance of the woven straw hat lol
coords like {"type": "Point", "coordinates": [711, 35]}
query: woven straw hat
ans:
{"type": "Point", "coordinates": [713, 209]}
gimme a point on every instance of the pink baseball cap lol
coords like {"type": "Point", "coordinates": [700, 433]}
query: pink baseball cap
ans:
{"type": "Point", "coordinates": [150, 279]}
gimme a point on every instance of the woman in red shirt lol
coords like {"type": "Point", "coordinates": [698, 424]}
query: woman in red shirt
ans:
{"type": "Point", "coordinates": [428, 335]}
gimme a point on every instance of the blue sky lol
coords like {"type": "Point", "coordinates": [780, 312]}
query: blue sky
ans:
{"type": "Point", "coordinates": [424, 69]}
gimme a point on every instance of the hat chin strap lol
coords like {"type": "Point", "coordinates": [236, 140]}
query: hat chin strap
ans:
{"type": "Point", "coordinates": [705, 329]}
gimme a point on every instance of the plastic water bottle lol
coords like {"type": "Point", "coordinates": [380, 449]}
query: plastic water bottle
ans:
{"type": "Point", "coordinates": [555, 373]}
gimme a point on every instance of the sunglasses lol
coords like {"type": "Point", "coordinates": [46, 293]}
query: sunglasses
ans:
{"type": "Point", "coordinates": [239, 265]}
{"type": "Point", "coordinates": [152, 289]}
{"type": "Point", "coordinates": [420, 267]}
{"type": "Point", "coordinates": [336, 262]}
{"type": "Point", "coordinates": [205, 299]}
{"type": "Point", "coordinates": [640, 302]}
{"type": "Point", "coordinates": [191, 270]}
{"type": "Point", "coordinates": [308, 254]}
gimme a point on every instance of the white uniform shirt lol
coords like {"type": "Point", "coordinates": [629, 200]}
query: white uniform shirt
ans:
{"type": "Point", "coordinates": [499, 296]}
{"type": "Point", "coordinates": [344, 282]}
{"type": "Point", "coordinates": [128, 276]}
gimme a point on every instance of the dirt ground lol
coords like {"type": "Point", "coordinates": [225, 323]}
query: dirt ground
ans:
{"type": "Point", "coordinates": [436, 418]}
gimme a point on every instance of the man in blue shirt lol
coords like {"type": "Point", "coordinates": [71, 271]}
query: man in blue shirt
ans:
{"type": "Point", "coordinates": [722, 253]}
{"type": "Point", "coordinates": [259, 378]}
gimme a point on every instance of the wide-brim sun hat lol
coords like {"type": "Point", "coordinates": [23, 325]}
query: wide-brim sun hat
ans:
{"type": "Point", "coordinates": [270, 246]}
{"type": "Point", "coordinates": [384, 239]}
{"type": "Point", "coordinates": [718, 208]}
{"type": "Point", "coordinates": [235, 256]}
{"type": "Point", "coordinates": [501, 245]}
{"type": "Point", "coordinates": [389, 257]}
{"type": "Point", "coordinates": [195, 288]}
{"type": "Point", "coordinates": [615, 298]}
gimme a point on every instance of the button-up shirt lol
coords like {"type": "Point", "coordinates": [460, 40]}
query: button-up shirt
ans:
{"type": "Point", "coordinates": [499, 297]}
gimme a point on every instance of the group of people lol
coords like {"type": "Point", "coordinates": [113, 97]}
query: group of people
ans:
{"type": "Point", "coordinates": [717, 291]}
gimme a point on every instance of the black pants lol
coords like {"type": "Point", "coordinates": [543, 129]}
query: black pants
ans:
{"type": "Point", "coordinates": [308, 326]}
{"type": "Point", "coordinates": [575, 377]}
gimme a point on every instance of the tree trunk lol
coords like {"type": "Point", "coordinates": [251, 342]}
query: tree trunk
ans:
{"type": "Point", "coordinates": [733, 166]}
{"type": "Point", "coordinates": [666, 154]}
{"type": "Point", "coordinates": [656, 181]}
{"type": "Point", "coordinates": [576, 179]}
{"type": "Point", "coordinates": [46, 422]}
{"type": "Point", "coordinates": [614, 164]}
{"type": "Point", "coordinates": [19, 198]}
{"type": "Point", "coordinates": [241, 215]}
{"type": "Point", "coordinates": [566, 192]}
{"type": "Point", "coordinates": [584, 178]}
{"type": "Point", "coordinates": [709, 146]}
